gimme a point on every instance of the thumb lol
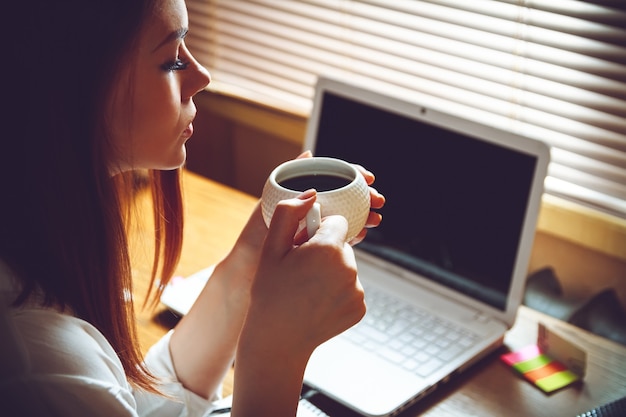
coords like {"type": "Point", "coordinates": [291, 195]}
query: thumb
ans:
{"type": "Point", "coordinates": [333, 230]}
{"type": "Point", "coordinates": [285, 222]}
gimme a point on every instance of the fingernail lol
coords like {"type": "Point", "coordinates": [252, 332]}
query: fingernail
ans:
{"type": "Point", "coordinates": [307, 194]}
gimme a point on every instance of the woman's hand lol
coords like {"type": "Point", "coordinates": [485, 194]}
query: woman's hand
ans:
{"type": "Point", "coordinates": [301, 296]}
{"type": "Point", "coordinates": [309, 290]}
{"type": "Point", "coordinates": [377, 201]}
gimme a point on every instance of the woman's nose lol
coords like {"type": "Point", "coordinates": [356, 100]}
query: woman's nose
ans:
{"type": "Point", "coordinates": [196, 78]}
{"type": "Point", "coordinates": [203, 76]}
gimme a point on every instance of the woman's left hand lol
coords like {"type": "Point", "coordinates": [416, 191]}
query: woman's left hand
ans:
{"type": "Point", "coordinates": [377, 201]}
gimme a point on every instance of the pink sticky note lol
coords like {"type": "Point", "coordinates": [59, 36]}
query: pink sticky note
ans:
{"type": "Point", "coordinates": [524, 354]}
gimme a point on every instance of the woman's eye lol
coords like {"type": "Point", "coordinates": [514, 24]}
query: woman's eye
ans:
{"type": "Point", "coordinates": [175, 65]}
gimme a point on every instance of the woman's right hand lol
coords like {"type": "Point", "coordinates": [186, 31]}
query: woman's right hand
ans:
{"type": "Point", "coordinates": [307, 292]}
{"type": "Point", "coordinates": [302, 295]}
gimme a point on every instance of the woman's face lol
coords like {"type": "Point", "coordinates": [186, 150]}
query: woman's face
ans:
{"type": "Point", "coordinates": [151, 109]}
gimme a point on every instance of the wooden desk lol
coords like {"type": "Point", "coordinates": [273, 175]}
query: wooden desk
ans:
{"type": "Point", "coordinates": [214, 216]}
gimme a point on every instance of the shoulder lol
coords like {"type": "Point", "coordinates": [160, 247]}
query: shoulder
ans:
{"type": "Point", "coordinates": [59, 361]}
{"type": "Point", "coordinates": [59, 343]}
{"type": "Point", "coordinates": [42, 341]}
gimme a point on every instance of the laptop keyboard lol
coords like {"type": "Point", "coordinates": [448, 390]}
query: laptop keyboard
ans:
{"type": "Point", "coordinates": [408, 336]}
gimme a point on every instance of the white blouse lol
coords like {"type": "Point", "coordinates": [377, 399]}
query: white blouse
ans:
{"type": "Point", "coordinates": [54, 364]}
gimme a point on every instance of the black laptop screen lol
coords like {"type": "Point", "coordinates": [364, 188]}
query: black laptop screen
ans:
{"type": "Point", "coordinates": [455, 204]}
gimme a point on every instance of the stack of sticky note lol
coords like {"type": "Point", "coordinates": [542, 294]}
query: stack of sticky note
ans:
{"type": "Point", "coordinates": [538, 368]}
{"type": "Point", "coordinates": [553, 363]}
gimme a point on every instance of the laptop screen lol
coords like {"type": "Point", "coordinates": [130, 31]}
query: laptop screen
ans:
{"type": "Point", "coordinates": [455, 205]}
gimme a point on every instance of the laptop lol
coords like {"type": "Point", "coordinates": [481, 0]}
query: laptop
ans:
{"type": "Point", "coordinates": [450, 257]}
{"type": "Point", "coordinates": [444, 273]}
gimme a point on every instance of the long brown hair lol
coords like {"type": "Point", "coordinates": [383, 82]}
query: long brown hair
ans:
{"type": "Point", "coordinates": [63, 217]}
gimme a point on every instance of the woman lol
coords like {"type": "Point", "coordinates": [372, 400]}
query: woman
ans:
{"type": "Point", "coordinates": [109, 86]}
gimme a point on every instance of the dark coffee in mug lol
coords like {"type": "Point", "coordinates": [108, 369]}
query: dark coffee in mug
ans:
{"type": "Point", "coordinates": [342, 190]}
{"type": "Point", "coordinates": [321, 182]}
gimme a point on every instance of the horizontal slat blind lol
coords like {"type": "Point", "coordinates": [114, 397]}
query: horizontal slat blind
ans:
{"type": "Point", "coordinates": [553, 70]}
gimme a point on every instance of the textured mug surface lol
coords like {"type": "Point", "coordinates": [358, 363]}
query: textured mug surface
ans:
{"type": "Point", "coordinates": [351, 201]}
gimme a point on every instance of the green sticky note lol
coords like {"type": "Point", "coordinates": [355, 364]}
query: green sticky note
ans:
{"type": "Point", "coordinates": [556, 381]}
{"type": "Point", "coordinates": [531, 364]}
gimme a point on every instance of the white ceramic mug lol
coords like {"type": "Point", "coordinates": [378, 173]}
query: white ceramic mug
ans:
{"type": "Point", "coordinates": [341, 189]}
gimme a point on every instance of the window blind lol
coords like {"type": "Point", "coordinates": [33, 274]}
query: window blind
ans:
{"type": "Point", "coordinates": [553, 70]}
